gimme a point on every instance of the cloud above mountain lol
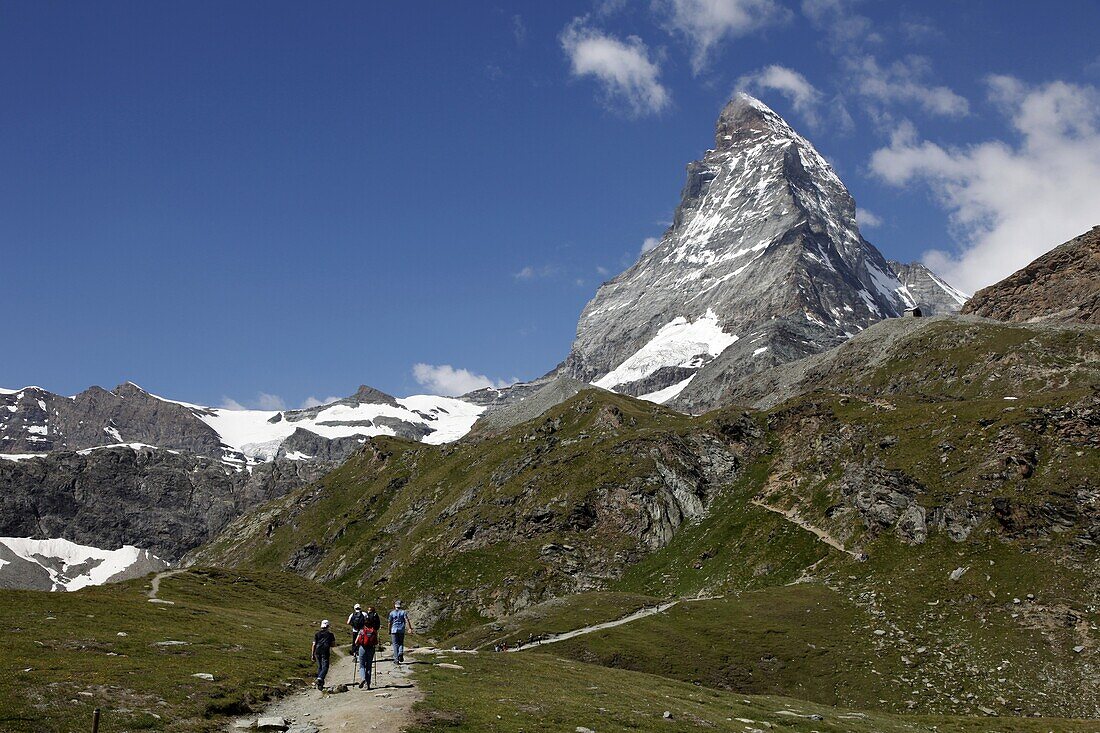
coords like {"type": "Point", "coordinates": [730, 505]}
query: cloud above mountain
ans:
{"type": "Point", "coordinates": [704, 24]}
{"type": "Point", "coordinates": [1008, 202]}
{"type": "Point", "coordinates": [444, 379]}
{"type": "Point", "coordinates": [628, 74]}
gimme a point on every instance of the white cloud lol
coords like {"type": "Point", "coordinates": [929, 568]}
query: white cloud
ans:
{"type": "Point", "coordinates": [880, 87]}
{"type": "Point", "coordinates": [846, 28]}
{"type": "Point", "coordinates": [263, 401]}
{"type": "Point", "coordinates": [312, 401]}
{"type": "Point", "coordinates": [867, 219]}
{"type": "Point", "coordinates": [706, 23]}
{"type": "Point", "coordinates": [1009, 202]}
{"type": "Point", "coordinates": [624, 69]}
{"type": "Point", "coordinates": [602, 271]}
{"type": "Point", "coordinates": [904, 81]}
{"type": "Point", "coordinates": [444, 379]}
{"type": "Point", "coordinates": [530, 272]}
{"type": "Point", "coordinates": [803, 96]}
{"type": "Point", "coordinates": [519, 29]}
{"type": "Point", "coordinates": [650, 243]}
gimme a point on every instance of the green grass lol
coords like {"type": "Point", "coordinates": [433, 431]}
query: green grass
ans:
{"type": "Point", "coordinates": [543, 693]}
{"type": "Point", "coordinates": [251, 631]}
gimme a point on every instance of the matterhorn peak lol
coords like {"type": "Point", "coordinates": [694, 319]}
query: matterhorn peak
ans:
{"type": "Point", "coordinates": [764, 263]}
{"type": "Point", "coordinates": [745, 116]}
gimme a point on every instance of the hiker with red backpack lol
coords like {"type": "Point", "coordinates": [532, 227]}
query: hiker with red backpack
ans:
{"type": "Point", "coordinates": [366, 641]}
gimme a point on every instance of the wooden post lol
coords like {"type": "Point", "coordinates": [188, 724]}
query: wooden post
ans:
{"type": "Point", "coordinates": [95, 721]}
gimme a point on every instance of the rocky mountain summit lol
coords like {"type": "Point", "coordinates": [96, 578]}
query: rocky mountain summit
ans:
{"type": "Point", "coordinates": [1062, 285]}
{"type": "Point", "coordinates": [763, 264]}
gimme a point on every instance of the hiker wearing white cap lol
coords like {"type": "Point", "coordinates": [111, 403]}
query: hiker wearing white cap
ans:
{"type": "Point", "coordinates": [357, 620]}
{"type": "Point", "coordinates": [323, 641]}
{"type": "Point", "coordinates": [399, 624]}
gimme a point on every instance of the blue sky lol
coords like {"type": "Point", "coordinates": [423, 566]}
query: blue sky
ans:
{"type": "Point", "coordinates": [266, 202]}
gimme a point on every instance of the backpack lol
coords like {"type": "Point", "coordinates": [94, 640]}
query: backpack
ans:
{"type": "Point", "coordinates": [358, 619]}
{"type": "Point", "coordinates": [367, 637]}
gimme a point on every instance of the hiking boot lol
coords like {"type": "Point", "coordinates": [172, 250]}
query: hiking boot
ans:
{"type": "Point", "coordinates": [361, 683]}
{"type": "Point", "coordinates": [320, 685]}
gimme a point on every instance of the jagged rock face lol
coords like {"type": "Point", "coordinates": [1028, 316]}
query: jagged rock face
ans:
{"type": "Point", "coordinates": [1062, 285]}
{"type": "Point", "coordinates": [33, 420]}
{"type": "Point", "coordinates": [164, 501]}
{"type": "Point", "coordinates": [928, 291]}
{"type": "Point", "coordinates": [763, 263]}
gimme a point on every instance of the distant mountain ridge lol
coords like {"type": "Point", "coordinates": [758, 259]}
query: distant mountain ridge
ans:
{"type": "Point", "coordinates": [763, 264]}
{"type": "Point", "coordinates": [106, 469]}
{"type": "Point", "coordinates": [36, 421]}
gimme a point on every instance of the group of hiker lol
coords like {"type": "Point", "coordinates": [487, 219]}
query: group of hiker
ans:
{"type": "Point", "coordinates": [364, 626]}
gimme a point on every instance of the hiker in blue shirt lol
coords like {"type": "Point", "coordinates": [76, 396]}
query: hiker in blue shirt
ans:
{"type": "Point", "coordinates": [399, 624]}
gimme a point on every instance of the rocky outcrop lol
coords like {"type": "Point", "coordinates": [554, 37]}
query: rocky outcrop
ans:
{"type": "Point", "coordinates": [167, 502]}
{"type": "Point", "coordinates": [1062, 285]}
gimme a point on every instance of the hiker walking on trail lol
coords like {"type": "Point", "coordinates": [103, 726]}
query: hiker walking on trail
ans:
{"type": "Point", "coordinates": [366, 642]}
{"type": "Point", "coordinates": [372, 618]}
{"type": "Point", "coordinates": [357, 620]}
{"type": "Point", "coordinates": [399, 624]}
{"type": "Point", "coordinates": [323, 641]}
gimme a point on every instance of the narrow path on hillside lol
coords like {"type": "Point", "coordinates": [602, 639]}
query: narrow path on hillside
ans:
{"type": "Point", "coordinates": [637, 615]}
{"type": "Point", "coordinates": [791, 516]}
{"type": "Point", "coordinates": [155, 583]}
{"type": "Point", "coordinates": [386, 708]}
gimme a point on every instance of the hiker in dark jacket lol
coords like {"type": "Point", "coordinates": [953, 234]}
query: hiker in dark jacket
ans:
{"type": "Point", "coordinates": [373, 621]}
{"type": "Point", "coordinates": [323, 641]}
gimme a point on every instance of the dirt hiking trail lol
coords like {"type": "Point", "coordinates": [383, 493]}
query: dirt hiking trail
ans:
{"type": "Point", "coordinates": [386, 707]}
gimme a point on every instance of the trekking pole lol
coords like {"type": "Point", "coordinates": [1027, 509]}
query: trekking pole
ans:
{"type": "Point", "coordinates": [95, 721]}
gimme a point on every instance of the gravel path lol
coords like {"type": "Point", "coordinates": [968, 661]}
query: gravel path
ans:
{"type": "Point", "coordinates": [386, 708]}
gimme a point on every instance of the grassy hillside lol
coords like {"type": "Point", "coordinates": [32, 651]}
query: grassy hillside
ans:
{"type": "Point", "coordinates": [541, 693]}
{"type": "Point", "coordinates": [482, 528]}
{"type": "Point", "coordinates": [110, 647]}
{"type": "Point", "coordinates": [944, 494]}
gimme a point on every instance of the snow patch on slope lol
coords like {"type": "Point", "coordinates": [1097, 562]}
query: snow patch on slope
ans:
{"type": "Point", "coordinates": [678, 343]}
{"type": "Point", "coordinates": [259, 433]}
{"type": "Point", "coordinates": [662, 396]}
{"type": "Point", "coordinates": [71, 566]}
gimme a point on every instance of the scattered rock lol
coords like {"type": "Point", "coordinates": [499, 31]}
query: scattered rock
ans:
{"type": "Point", "coordinates": [958, 573]}
{"type": "Point", "coordinates": [122, 633]}
{"type": "Point", "coordinates": [172, 642]}
{"type": "Point", "coordinates": [272, 723]}
{"type": "Point", "coordinates": [1078, 649]}
{"type": "Point", "coordinates": [448, 665]}
{"type": "Point", "coordinates": [667, 715]}
{"type": "Point", "coordinates": [204, 676]}
{"type": "Point", "coordinates": [880, 632]}
{"type": "Point", "coordinates": [582, 729]}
